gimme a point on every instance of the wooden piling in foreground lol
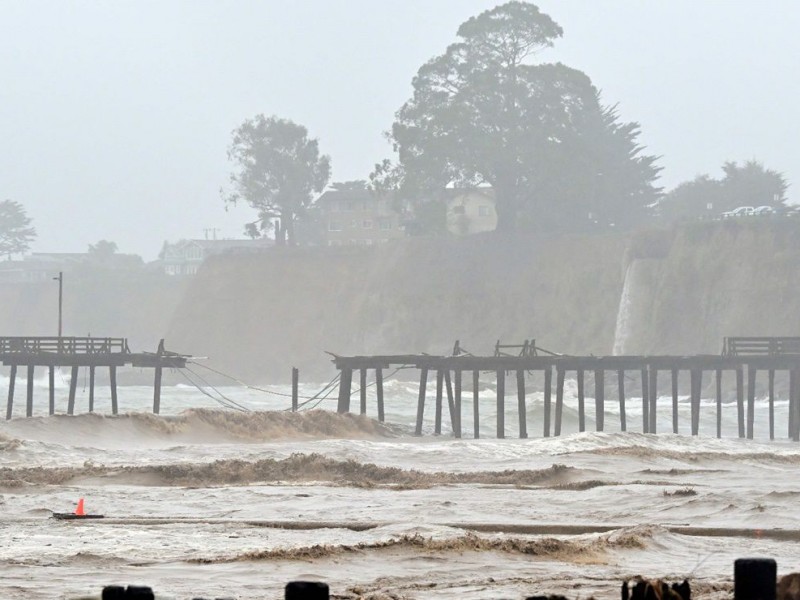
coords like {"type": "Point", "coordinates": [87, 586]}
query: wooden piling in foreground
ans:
{"type": "Point", "coordinates": [362, 391]}
{"type": "Point", "coordinates": [476, 411]}
{"type": "Point", "coordinates": [451, 405]}
{"type": "Point", "coordinates": [379, 393]}
{"type": "Point", "coordinates": [51, 376]}
{"type": "Point", "coordinates": [645, 401]}
{"type": "Point", "coordinates": [623, 420]}
{"type": "Point", "coordinates": [112, 371]}
{"type": "Point", "coordinates": [423, 383]}
{"type": "Point", "coordinates": [345, 383]}
{"type": "Point", "coordinates": [157, 391]}
{"type": "Point", "coordinates": [751, 399]}
{"type": "Point", "coordinates": [521, 409]}
{"type": "Point", "coordinates": [719, 403]}
{"type": "Point", "coordinates": [437, 423]}
{"type": "Point", "coordinates": [295, 389]}
{"type": "Point", "coordinates": [674, 400]}
{"type": "Point", "coordinates": [559, 400]}
{"type": "Point", "coordinates": [740, 399]}
{"type": "Point", "coordinates": [73, 387]}
{"type": "Point", "coordinates": [29, 398]}
{"type": "Point", "coordinates": [795, 404]}
{"type": "Point", "coordinates": [581, 402]}
{"type": "Point", "coordinates": [12, 379]}
{"type": "Point", "coordinates": [91, 388]}
{"type": "Point", "coordinates": [548, 384]}
{"type": "Point", "coordinates": [771, 404]}
{"type": "Point", "coordinates": [457, 400]}
{"type": "Point", "coordinates": [501, 404]}
{"type": "Point", "coordinates": [696, 384]}
{"type": "Point", "coordinates": [652, 396]}
{"type": "Point", "coordinates": [599, 398]}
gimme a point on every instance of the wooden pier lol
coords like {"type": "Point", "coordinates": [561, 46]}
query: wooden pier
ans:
{"type": "Point", "coordinates": [77, 352]}
{"type": "Point", "coordinates": [741, 356]}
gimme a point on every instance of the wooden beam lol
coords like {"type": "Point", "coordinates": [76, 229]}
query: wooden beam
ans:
{"type": "Point", "coordinates": [362, 391]}
{"type": "Point", "coordinates": [652, 396]}
{"type": "Point", "coordinates": [437, 423]}
{"type": "Point", "coordinates": [157, 391]}
{"type": "Point", "coordinates": [379, 392]}
{"type": "Point", "coordinates": [451, 405]}
{"type": "Point", "coordinates": [51, 376]}
{"type": "Point", "coordinates": [772, 404]}
{"type": "Point", "coordinates": [740, 399]}
{"type": "Point", "coordinates": [521, 408]}
{"type": "Point", "coordinates": [599, 398]}
{"type": "Point", "coordinates": [12, 379]}
{"type": "Point", "coordinates": [295, 389]}
{"type": "Point", "coordinates": [29, 403]}
{"type": "Point", "coordinates": [751, 399]}
{"type": "Point", "coordinates": [696, 376]}
{"type": "Point", "coordinates": [73, 386]}
{"type": "Point", "coordinates": [548, 384]}
{"type": "Point", "coordinates": [91, 388]}
{"type": "Point", "coordinates": [623, 421]}
{"type": "Point", "coordinates": [645, 402]}
{"type": "Point", "coordinates": [345, 384]}
{"type": "Point", "coordinates": [476, 413]}
{"type": "Point", "coordinates": [560, 374]}
{"type": "Point", "coordinates": [719, 403]}
{"type": "Point", "coordinates": [423, 383]}
{"type": "Point", "coordinates": [457, 426]}
{"type": "Point", "coordinates": [501, 404]}
{"type": "Point", "coordinates": [112, 372]}
{"type": "Point", "coordinates": [581, 401]}
{"type": "Point", "coordinates": [674, 400]}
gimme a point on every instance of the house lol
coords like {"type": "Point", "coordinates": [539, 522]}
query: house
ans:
{"type": "Point", "coordinates": [185, 256]}
{"type": "Point", "coordinates": [470, 210]}
{"type": "Point", "coordinates": [41, 267]}
{"type": "Point", "coordinates": [358, 217]}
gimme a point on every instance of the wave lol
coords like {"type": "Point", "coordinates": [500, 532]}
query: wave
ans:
{"type": "Point", "coordinates": [200, 425]}
{"type": "Point", "coordinates": [295, 468]}
{"type": "Point", "coordinates": [567, 550]}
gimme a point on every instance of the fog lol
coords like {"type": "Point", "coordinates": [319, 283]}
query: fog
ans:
{"type": "Point", "coordinates": [116, 116]}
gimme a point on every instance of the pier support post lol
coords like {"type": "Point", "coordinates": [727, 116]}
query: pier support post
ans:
{"type": "Point", "coordinates": [91, 388]}
{"type": "Point", "coordinates": [581, 402]}
{"type": "Point", "coordinates": [29, 398]}
{"type": "Point", "coordinates": [795, 404]}
{"type": "Point", "coordinates": [157, 391]}
{"type": "Point", "coordinates": [772, 404]}
{"type": "Point", "coordinates": [674, 400]}
{"type": "Point", "coordinates": [652, 396]}
{"type": "Point", "coordinates": [719, 403]}
{"type": "Point", "coordinates": [362, 391]}
{"type": "Point", "coordinates": [501, 404]}
{"type": "Point", "coordinates": [476, 410]}
{"type": "Point", "coordinates": [345, 383]}
{"type": "Point", "coordinates": [379, 393]}
{"type": "Point", "coordinates": [12, 379]}
{"type": "Point", "coordinates": [548, 384]}
{"type": "Point", "coordinates": [623, 421]}
{"type": "Point", "coordinates": [295, 389]}
{"type": "Point", "coordinates": [696, 384]}
{"type": "Point", "coordinates": [51, 380]}
{"type": "Point", "coordinates": [451, 405]}
{"type": "Point", "coordinates": [112, 372]}
{"type": "Point", "coordinates": [457, 421]}
{"type": "Point", "coordinates": [740, 399]}
{"type": "Point", "coordinates": [645, 402]}
{"type": "Point", "coordinates": [437, 424]}
{"type": "Point", "coordinates": [599, 398]}
{"type": "Point", "coordinates": [521, 409]}
{"type": "Point", "coordinates": [751, 399]}
{"type": "Point", "coordinates": [423, 383]}
{"type": "Point", "coordinates": [792, 396]}
{"type": "Point", "coordinates": [559, 400]}
{"type": "Point", "coordinates": [73, 386]}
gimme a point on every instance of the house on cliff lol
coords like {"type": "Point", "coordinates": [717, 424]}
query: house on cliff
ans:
{"type": "Point", "coordinates": [470, 210]}
{"type": "Point", "coordinates": [358, 217]}
{"type": "Point", "coordinates": [185, 256]}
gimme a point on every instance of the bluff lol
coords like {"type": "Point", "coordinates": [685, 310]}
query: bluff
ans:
{"type": "Point", "coordinates": [256, 316]}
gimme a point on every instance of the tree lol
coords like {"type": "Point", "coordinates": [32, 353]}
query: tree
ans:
{"type": "Point", "coordinates": [484, 113]}
{"type": "Point", "coordinates": [102, 250]}
{"type": "Point", "coordinates": [749, 184]}
{"type": "Point", "coordinates": [16, 234]}
{"type": "Point", "coordinates": [277, 169]}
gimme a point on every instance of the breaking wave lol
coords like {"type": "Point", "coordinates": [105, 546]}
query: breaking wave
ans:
{"type": "Point", "coordinates": [570, 549]}
{"type": "Point", "coordinates": [295, 468]}
{"type": "Point", "coordinates": [199, 425]}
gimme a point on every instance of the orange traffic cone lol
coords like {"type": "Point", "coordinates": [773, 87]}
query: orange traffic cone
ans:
{"type": "Point", "coordinates": [79, 511]}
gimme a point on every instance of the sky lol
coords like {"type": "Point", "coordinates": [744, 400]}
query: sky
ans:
{"type": "Point", "coordinates": [115, 115]}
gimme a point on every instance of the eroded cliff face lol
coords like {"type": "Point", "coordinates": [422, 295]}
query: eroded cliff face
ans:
{"type": "Point", "coordinates": [257, 316]}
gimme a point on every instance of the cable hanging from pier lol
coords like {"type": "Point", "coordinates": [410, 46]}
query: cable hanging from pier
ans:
{"type": "Point", "coordinates": [247, 385]}
{"type": "Point", "coordinates": [223, 400]}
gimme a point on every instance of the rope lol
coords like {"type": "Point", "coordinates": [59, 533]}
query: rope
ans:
{"type": "Point", "coordinates": [248, 386]}
{"type": "Point", "coordinates": [224, 401]}
{"type": "Point", "coordinates": [205, 393]}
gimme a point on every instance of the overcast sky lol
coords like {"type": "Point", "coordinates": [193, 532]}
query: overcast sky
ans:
{"type": "Point", "coordinates": [115, 116]}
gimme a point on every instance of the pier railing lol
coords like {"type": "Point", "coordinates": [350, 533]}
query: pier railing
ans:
{"type": "Point", "coordinates": [761, 346]}
{"type": "Point", "coordinates": [63, 345]}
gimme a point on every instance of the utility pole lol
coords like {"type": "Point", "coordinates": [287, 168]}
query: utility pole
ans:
{"type": "Point", "coordinates": [60, 280]}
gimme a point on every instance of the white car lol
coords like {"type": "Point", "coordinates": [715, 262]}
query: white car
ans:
{"type": "Point", "coordinates": [763, 210]}
{"type": "Point", "coordinates": [742, 211]}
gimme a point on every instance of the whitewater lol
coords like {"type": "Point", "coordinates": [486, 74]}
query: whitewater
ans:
{"type": "Point", "coordinates": [206, 501]}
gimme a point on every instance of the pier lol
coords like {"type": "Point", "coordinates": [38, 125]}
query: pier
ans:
{"type": "Point", "coordinates": [77, 352]}
{"type": "Point", "coordinates": [744, 357]}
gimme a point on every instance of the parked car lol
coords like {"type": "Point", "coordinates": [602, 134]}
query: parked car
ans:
{"type": "Point", "coordinates": [763, 210]}
{"type": "Point", "coordinates": [742, 211]}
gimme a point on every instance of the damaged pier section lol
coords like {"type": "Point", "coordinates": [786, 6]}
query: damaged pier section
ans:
{"type": "Point", "coordinates": [74, 353]}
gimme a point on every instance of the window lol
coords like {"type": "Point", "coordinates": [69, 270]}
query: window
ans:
{"type": "Point", "coordinates": [484, 210]}
{"type": "Point", "coordinates": [334, 225]}
{"type": "Point", "coordinates": [385, 224]}
{"type": "Point", "coordinates": [366, 224]}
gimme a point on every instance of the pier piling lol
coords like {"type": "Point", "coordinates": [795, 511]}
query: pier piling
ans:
{"type": "Point", "coordinates": [599, 398]}
{"type": "Point", "coordinates": [501, 404]}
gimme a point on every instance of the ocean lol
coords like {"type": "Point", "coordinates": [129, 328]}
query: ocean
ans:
{"type": "Point", "coordinates": [192, 497]}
